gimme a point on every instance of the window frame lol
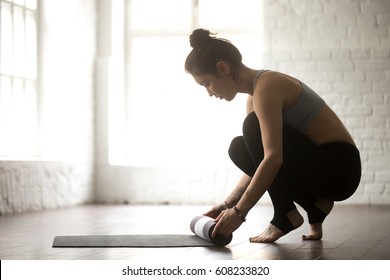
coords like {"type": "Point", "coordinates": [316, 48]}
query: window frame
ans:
{"type": "Point", "coordinates": [25, 79]}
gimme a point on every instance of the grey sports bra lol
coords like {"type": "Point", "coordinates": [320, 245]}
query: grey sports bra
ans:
{"type": "Point", "coordinates": [305, 109]}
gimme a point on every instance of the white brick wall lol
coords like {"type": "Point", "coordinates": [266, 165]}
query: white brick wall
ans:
{"type": "Point", "coordinates": [348, 63]}
{"type": "Point", "coordinates": [27, 186]}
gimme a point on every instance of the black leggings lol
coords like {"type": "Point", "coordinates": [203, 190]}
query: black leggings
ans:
{"type": "Point", "coordinates": [309, 171]}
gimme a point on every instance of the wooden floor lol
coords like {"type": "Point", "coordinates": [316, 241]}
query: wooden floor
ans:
{"type": "Point", "coordinates": [350, 233]}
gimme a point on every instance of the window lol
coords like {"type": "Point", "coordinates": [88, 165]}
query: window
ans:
{"type": "Point", "coordinates": [169, 119]}
{"type": "Point", "coordinates": [18, 78]}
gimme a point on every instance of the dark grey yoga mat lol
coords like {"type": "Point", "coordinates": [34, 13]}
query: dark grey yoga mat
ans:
{"type": "Point", "coordinates": [140, 241]}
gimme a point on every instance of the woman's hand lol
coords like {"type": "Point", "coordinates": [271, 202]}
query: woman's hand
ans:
{"type": "Point", "coordinates": [227, 222]}
{"type": "Point", "coordinates": [215, 211]}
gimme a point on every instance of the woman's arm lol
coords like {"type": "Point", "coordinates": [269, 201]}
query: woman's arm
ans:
{"type": "Point", "coordinates": [237, 193]}
{"type": "Point", "coordinates": [232, 199]}
{"type": "Point", "coordinates": [268, 106]}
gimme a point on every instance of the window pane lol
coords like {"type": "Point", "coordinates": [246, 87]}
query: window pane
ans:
{"type": "Point", "coordinates": [18, 46]}
{"type": "Point", "coordinates": [30, 127]}
{"type": "Point", "coordinates": [18, 118]}
{"type": "Point", "coordinates": [18, 103]}
{"type": "Point", "coordinates": [223, 13]}
{"type": "Point", "coordinates": [157, 14]}
{"type": "Point", "coordinates": [19, 2]}
{"type": "Point", "coordinates": [5, 114]}
{"type": "Point", "coordinates": [31, 4]}
{"type": "Point", "coordinates": [31, 47]}
{"type": "Point", "coordinates": [6, 100]}
{"type": "Point", "coordinates": [6, 40]}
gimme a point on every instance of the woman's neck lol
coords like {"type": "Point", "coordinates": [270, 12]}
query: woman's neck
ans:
{"type": "Point", "coordinates": [245, 80]}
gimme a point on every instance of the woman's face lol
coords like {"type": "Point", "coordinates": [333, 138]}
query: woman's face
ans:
{"type": "Point", "coordinates": [219, 85]}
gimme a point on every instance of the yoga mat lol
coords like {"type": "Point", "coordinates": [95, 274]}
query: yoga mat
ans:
{"type": "Point", "coordinates": [201, 226]}
{"type": "Point", "coordinates": [140, 241]}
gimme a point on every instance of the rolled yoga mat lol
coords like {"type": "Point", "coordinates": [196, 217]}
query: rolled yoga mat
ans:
{"type": "Point", "coordinates": [201, 226]}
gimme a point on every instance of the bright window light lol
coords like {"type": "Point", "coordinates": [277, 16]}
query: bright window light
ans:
{"type": "Point", "coordinates": [170, 120]}
{"type": "Point", "coordinates": [160, 15]}
{"type": "Point", "coordinates": [222, 14]}
{"type": "Point", "coordinates": [18, 90]}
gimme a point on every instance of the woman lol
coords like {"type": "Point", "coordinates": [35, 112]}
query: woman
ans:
{"type": "Point", "coordinates": [293, 145]}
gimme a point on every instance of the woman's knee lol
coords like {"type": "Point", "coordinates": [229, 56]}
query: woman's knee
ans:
{"type": "Point", "coordinates": [236, 147]}
{"type": "Point", "coordinates": [253, 139]}
{"type": "Point", "coordinates": [239, 155]}
{"type": "Point", "coordinates": [344, 192]}
{"type": "Point", "coordinates": [251, 126]}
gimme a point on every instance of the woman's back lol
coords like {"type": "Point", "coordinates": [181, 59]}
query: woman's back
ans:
{"type": "Point", "coordinates": [323, 127]}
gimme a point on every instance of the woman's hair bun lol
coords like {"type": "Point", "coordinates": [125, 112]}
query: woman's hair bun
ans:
{"type": "Point", "coordinates": [199, 38]}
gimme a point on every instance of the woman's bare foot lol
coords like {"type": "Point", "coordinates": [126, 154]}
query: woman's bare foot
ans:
{"type": "Point", "coordinates": [269, 235]}
{"type": "Point", "coordinates": [272, 233]}
{"type": "Point", "coordinates": [315, 234]}
{"type": "Point", "coordinates": [325, 206]}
